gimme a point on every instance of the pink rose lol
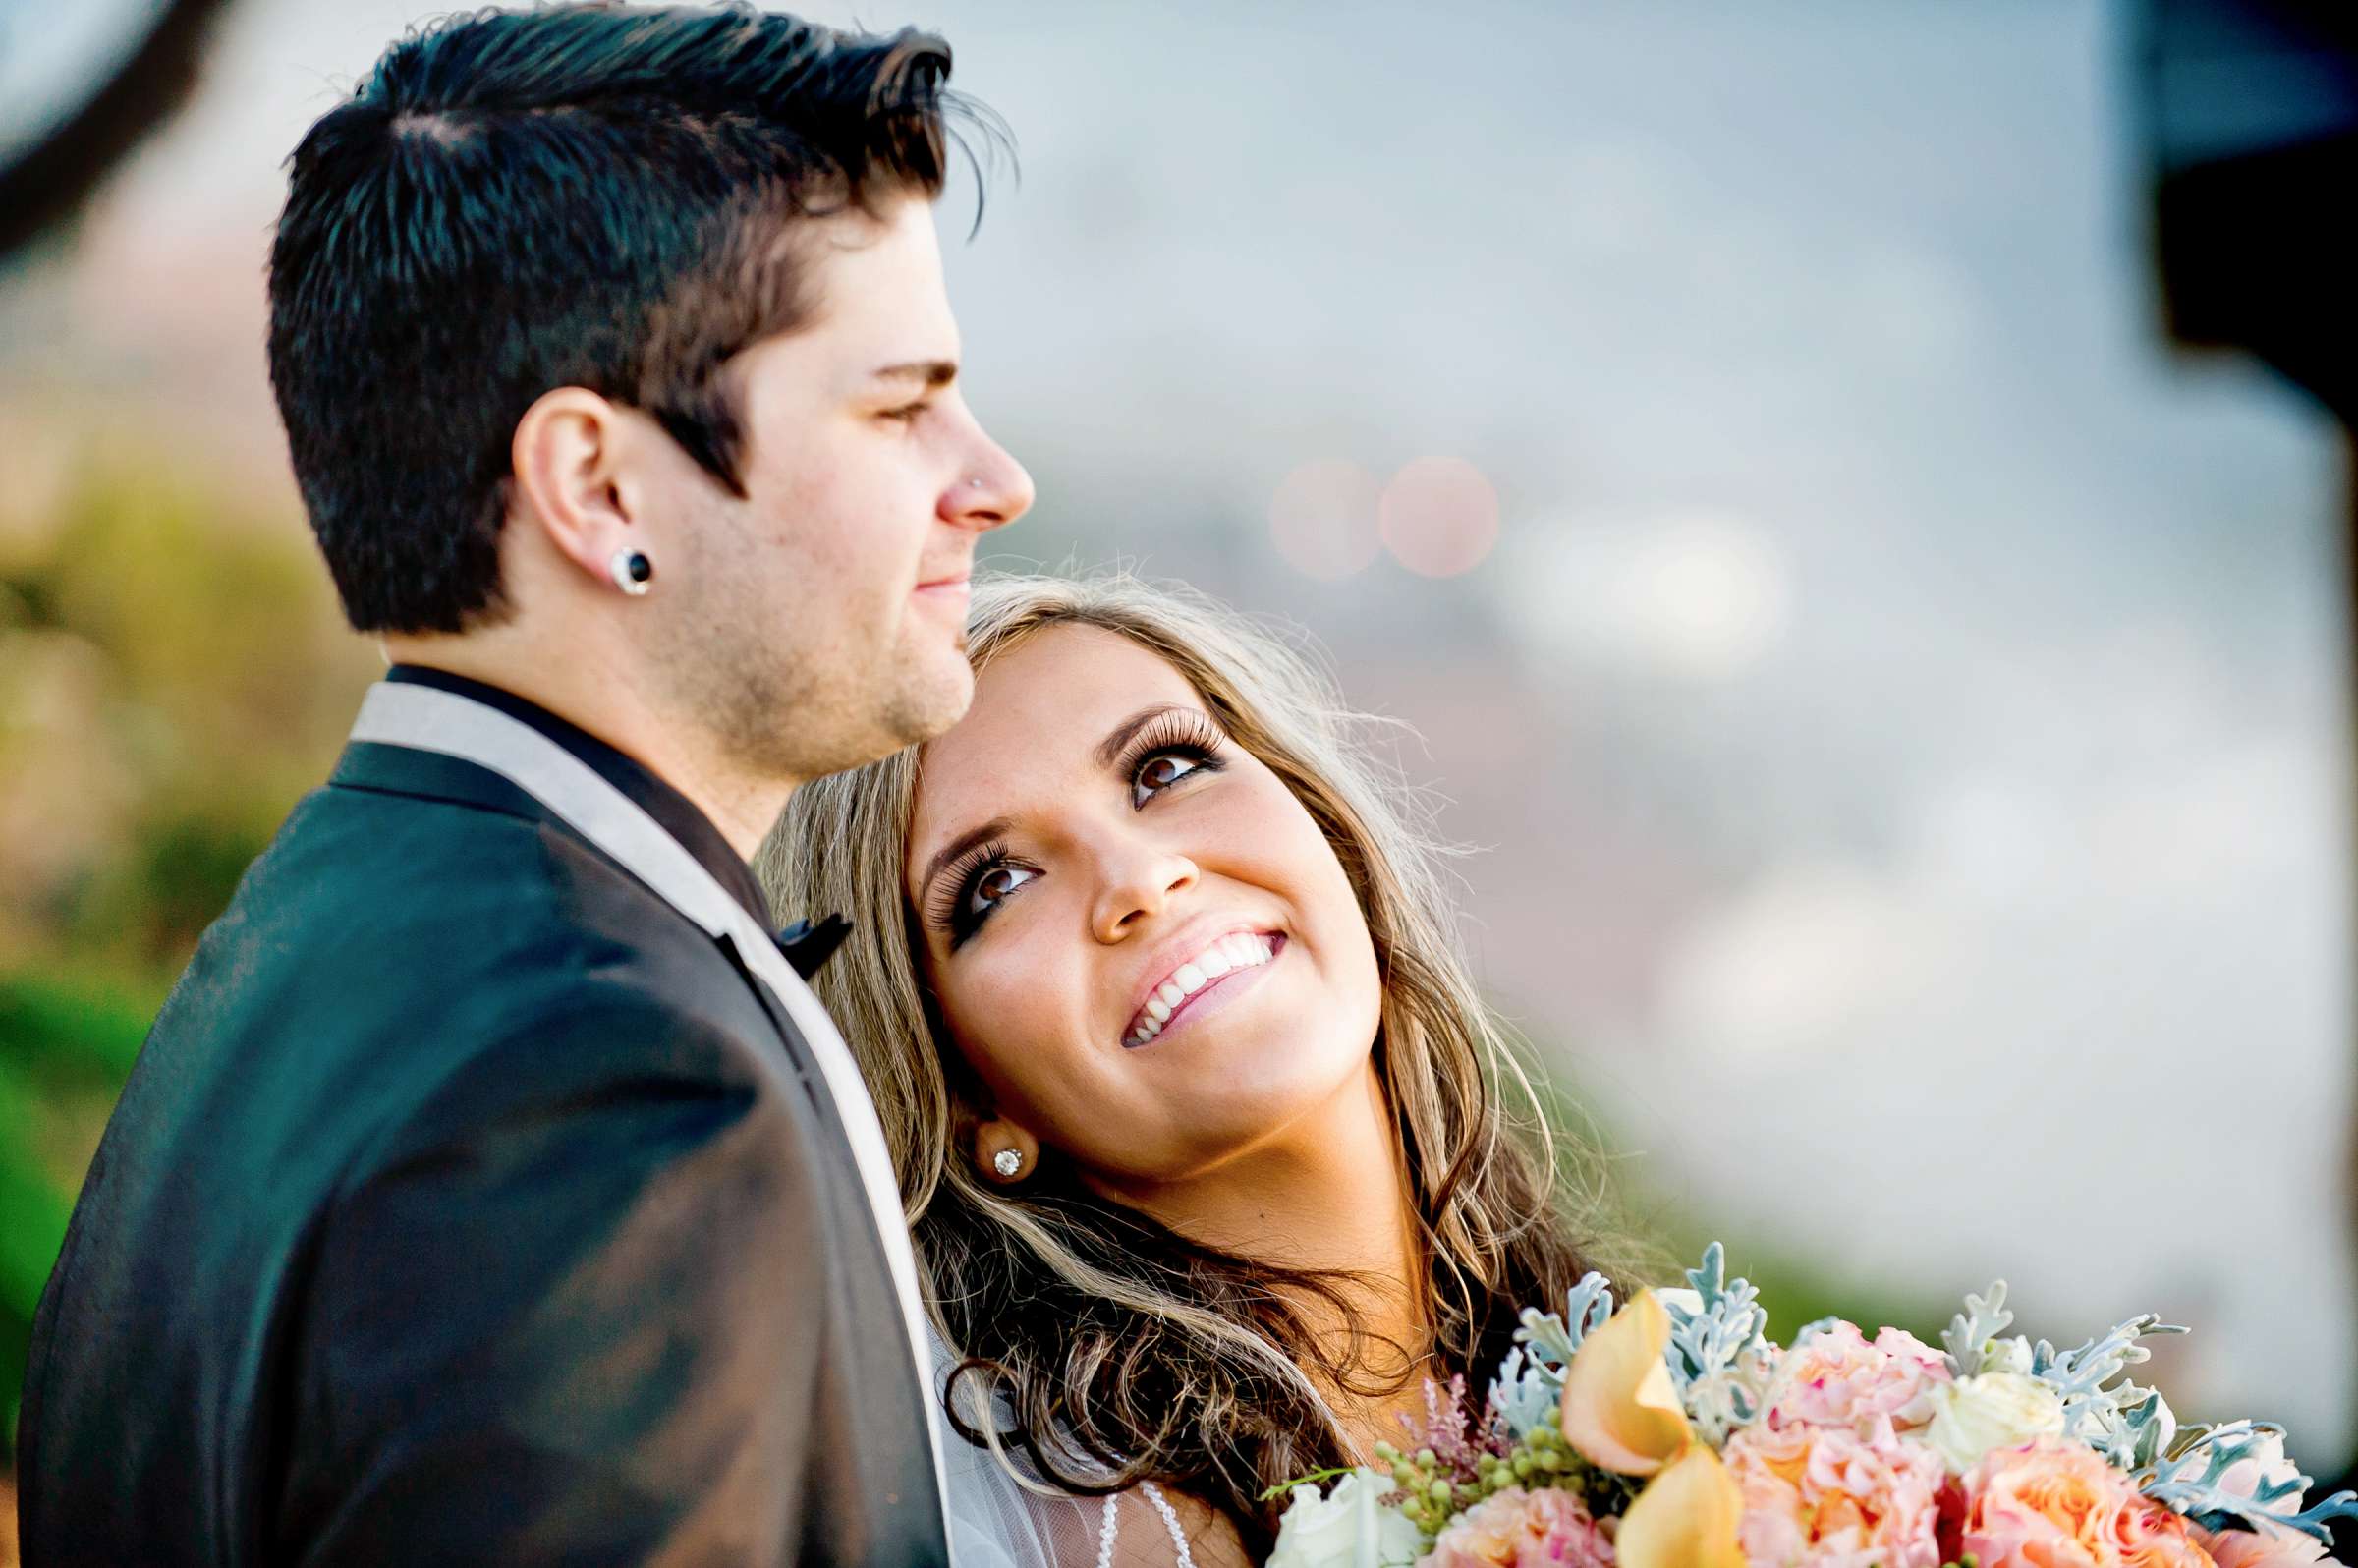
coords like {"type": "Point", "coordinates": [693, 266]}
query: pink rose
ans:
{"type": "Point", "coordinates": [1518, 1528]}
{"type": "Point", "coordinates": [1839, 1379]}
{"type": "Point", "coordinates": [2049, 1503]}
{"type": "Point", "coordinates": [2272, 1548]}
{"type": "Point", "coordinates": [1825, 1498]}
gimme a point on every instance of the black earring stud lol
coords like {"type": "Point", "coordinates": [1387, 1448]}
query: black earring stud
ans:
{"type": "Point", "coordinates": [633, 572]}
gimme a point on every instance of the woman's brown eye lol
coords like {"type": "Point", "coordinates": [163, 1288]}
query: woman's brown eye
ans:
{"type": "Point", "coordinates": [1000, 883]}
{"type": "Point", "coordinates": [1160, 773]}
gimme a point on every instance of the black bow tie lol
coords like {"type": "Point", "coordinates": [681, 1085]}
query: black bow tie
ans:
{"type": "Point", "coordinates": [808, 947]}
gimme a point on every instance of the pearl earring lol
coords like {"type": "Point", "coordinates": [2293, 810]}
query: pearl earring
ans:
{"type": "Point", "coordinates": [632, 572]}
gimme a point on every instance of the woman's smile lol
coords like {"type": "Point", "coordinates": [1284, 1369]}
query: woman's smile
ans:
{"type": "Point", "coordinates": [1213, 977]}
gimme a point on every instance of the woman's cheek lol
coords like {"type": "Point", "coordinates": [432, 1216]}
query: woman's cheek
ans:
{"type": "Point", "coordinates": [1034, 1033]}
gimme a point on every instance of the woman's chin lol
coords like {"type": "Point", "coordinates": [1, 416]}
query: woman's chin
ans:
{"type": "Point", "coordinates": [1272, 1104]}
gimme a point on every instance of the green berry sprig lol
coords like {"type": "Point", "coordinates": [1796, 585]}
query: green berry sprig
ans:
{"type": "Point", "coordinates": [1432, 1495]}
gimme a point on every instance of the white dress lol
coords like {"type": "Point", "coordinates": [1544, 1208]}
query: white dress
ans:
{"type": "Point", "coordinates": [997, 1522]}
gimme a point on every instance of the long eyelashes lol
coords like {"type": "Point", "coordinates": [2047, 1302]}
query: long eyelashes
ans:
{"type": "Point", "coordinates": [1181, 733]}
{"type": "Point", "coordinates": [956, 884]}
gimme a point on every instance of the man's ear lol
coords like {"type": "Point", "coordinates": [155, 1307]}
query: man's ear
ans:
{"type": "Point", "coordinates": [572, 479]}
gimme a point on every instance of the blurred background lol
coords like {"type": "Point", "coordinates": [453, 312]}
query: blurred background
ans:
{"type": "Point", "coordinates": [1899, 702]}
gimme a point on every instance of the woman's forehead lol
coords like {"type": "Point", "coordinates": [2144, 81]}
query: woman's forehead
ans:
{"type": "Point", "coordinates": [1040, 711]}
{"type": "Point", "coordinates": [1056, 692]}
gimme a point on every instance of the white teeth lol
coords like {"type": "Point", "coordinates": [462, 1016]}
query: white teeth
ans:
{"type": "Point", "coordinates": [1241, 950]}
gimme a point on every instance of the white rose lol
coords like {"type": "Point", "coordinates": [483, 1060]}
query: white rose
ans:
{"type": "Point", "coordinates": [1350, 1527]}
{"type": "Point", "coordinates": [1997, 1409]}
{"type": "Point", "coordinates": [2264, 1464]}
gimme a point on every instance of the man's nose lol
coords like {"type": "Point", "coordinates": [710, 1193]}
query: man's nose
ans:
{"type": "Point", "coordinates": [992, 493]}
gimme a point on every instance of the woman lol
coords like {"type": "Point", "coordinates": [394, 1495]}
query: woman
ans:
{"type": "Point", "coordinates": [1196, 1109]}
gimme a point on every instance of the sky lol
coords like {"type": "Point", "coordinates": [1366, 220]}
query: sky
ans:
{"type": "Point", "coordinates": [1895, 707]}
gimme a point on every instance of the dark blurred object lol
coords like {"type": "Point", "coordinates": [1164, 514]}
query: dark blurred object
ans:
{"type": "Point", "coordinates": [2250, 114]}
{"type": "Point", "coordinates": [2250, 130]}
{"type": "Point", "coordinates": [155, 69]}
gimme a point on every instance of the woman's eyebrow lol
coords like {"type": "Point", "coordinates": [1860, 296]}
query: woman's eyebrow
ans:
{"type": "Point", "coordinates": [957, 847]}
{"type": "Point", "coordinates": [1110, 749]}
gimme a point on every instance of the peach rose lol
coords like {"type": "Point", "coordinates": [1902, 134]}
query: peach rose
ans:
{"type": "Point", "coordinates": [1825, 1498]}
{"type": "Point", "coordinates": [1837, 1378]}
{"type": "Point", "coordinates": [2049, 1503]}
{"type": "Point", "coordinates": [2145, 1534]}
{"type": "Point", "coordinates": [1516, 1529]}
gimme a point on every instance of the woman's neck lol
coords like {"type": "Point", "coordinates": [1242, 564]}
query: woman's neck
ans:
{"type": "Point", "coordinates": [1332, 1192]}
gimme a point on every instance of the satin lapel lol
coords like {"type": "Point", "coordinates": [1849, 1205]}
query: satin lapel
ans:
{"type": "Point", "coordinates": [425, 719]}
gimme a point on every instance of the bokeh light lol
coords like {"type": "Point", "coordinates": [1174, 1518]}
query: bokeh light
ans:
{"type": "Point", "coordinates": [1439, 517]}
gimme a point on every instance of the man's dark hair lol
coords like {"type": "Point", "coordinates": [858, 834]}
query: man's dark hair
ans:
{"type": "Point", "coordinates": [588, 196]}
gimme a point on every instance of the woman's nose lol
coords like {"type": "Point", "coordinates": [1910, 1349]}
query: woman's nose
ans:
{"type": "Point", "coordinates": [1137, 889]}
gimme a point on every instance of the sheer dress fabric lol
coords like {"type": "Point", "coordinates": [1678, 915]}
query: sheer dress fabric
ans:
{"type": "Point", "coordinates": [996, 1522]}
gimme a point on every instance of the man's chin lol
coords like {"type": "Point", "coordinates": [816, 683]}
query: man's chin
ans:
{"type": "Point", "coordinates": [936, 696]}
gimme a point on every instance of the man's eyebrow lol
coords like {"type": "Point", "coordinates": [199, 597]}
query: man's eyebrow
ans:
{"type": "Point", "coordinates": [1110, 749]}
{"type": "Point", "coordinates": [933, 373]}
{"type": "Point", "coordinates": [957, 847]}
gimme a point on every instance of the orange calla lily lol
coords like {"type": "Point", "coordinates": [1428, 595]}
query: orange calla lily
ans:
{"type": "Point", "coordinates": [1621, 1412]}
{"type": "Point", "coordinates": [1687, 1517]}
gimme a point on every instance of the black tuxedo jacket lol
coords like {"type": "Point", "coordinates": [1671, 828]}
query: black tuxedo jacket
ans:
{"type": "Point", "coordinates": [446, 1219]}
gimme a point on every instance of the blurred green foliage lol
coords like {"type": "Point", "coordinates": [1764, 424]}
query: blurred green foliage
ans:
{"type": "Point", "coordinates": [173, 674]}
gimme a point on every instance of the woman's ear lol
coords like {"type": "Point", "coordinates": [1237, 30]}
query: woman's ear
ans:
{"type": "Point", "coordinates": [1004, 1153]}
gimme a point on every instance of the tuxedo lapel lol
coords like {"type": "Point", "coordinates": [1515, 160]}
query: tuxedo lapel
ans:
{"type": "Point", "coordinates": [814, 1086]}
{"type": "Point", "coordinates": [433, 723]}
{"type": "Point", "coordinates": [433, 776]}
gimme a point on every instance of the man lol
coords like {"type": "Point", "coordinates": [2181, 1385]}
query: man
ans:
{"type": "Point", "coordinates": [488, 1189]}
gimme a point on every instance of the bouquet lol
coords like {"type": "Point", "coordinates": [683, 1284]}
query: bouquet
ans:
{"type": "Point", "coordinates": [1673, 1433]}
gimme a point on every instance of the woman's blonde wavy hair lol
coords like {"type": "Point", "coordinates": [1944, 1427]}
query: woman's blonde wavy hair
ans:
{"type": "Point", "coordinates": [1108, 1348]}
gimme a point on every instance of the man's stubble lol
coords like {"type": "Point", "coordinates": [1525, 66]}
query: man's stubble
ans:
{"type": "Point", "coordinates": [797, 697]}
